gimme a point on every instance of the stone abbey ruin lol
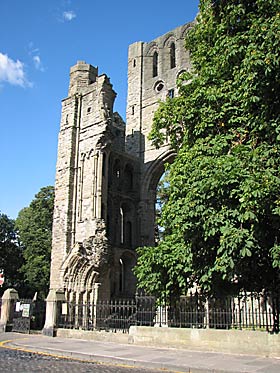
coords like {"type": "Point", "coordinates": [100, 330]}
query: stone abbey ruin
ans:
{"type": "Point", "coordinates": [107, 173]}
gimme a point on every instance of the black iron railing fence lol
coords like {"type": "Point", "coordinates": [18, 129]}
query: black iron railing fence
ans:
{"type": "Point", "coordinates": [28, 315]}
{"type": "Point", "coordinates": [251, 312]}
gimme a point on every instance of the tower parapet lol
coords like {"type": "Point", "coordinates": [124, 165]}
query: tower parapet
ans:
{"type": "Point", "coordinates": [81, 76]}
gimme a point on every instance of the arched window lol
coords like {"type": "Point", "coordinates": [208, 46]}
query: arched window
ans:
{"type": "Point", "coordinates": [172, 56]}
{"type": "Point", "coordinates": [104, 165]}
{"type": "Point", "coordinates": [122, 274]}
{"type": "Point", "coordinates": [122, 225]}
{"type": "Point", "coordinates": [117, 169]}
{"type": "Point", "coordinates": [116, 175]}
{"type": "Point", "coordinates": [127, 281]}
{"type": "Point", "coordinates": [128, 178]}
{"type": "Point", "coordinates": [155, 64]}
{"type": "Point", "coordinates": [128, 234]}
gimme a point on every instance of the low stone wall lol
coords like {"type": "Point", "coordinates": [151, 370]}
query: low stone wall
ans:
{"type": "Point", "coordinates": [101, 336]}
{"type": "Point", "coordinates": [227, 341]}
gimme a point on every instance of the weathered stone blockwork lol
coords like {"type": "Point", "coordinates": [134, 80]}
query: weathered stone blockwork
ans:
{"type": "Point", "coordinates": [107, 171]}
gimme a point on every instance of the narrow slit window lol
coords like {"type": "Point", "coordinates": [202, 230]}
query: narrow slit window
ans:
{"type": "Point", "coordinates": [172, 56]}
{"type": "Point", "coordinates": [104, 164]}
{"type": "Point", "coordinates": [155, 64]}
{"type": "Point", "coordinates": [171, 93]}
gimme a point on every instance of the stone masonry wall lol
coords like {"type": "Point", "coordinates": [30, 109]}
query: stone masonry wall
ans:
{"type": "Point", "coordinates": [107, 172]}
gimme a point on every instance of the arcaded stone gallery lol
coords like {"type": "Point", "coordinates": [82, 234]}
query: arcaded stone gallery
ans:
{"type": "Point", "coordinates": [107, 173]}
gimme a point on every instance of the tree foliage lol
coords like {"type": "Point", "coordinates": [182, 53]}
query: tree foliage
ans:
{"type": "Point", "coordinates": [223, 209]}
{"type": "Point", "coordinates": [34, 224]}
{"type": "Point", "coordinates": [11, 257]}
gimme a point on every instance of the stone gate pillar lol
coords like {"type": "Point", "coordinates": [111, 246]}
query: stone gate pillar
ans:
{"type": "Point", "coordinates": [9, 298]}
{"type": "Point", "coordinates": [53, 311]}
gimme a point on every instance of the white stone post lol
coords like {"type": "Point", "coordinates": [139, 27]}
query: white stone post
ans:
{"type": "Point", "coordinates": [53, 308]}
{"type": "Point", "coordinates": [7, 310]}
{"type": "Point", "coordinates": [95, 301]}
{"type": "Point", "coordinates": [161, 319]}
{"type": "Point", "coordinates": [206, 317]}
{"type": "Point", "coordinates": [85, 310]}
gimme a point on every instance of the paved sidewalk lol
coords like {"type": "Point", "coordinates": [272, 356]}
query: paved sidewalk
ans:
{"type": "Point", "coordinates": [140, 356]}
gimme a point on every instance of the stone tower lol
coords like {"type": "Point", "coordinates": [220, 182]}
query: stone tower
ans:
{"type": "Point", "coordinates": [107, 173]}
{"type": "Point", "coordinates": [153, 69]}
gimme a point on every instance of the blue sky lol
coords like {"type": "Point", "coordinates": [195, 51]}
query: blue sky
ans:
{"type": "Point", "coordinates": [39, 42]}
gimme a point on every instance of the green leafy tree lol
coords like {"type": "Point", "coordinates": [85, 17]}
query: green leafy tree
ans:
{"type": "Point", "coordinates": [11, 257]}
{"type": "Point", "coordinates": [34, 224]}
{"type": "Point", "coordinates": [223, 209]}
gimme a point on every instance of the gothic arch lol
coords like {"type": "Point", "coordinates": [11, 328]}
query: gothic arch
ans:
{"type": "Point", "coordinates": [155, 170]}
{"type": "Point", "coordinates": [185, 30]}
{"type": "Point", "coordinates": [172, 55]}
{"type": "Point", "coordinates": [150, 49]}
{"type": "Point", "coordinates": [155, 64]}
{"type": "Point", "coordinates": [152, 54]}
{"type": "Point", "coordinates": [146, 208]}
{"type": "Point", "coordinates": [180, 73]}
{"type": "Point", "coordinates": [80, 269]}
{"type": "Point", "coordinates": [168, 40]}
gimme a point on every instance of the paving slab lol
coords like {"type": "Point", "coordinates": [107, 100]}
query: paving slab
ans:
{"type": "Point", "coordinates": [141, 356]}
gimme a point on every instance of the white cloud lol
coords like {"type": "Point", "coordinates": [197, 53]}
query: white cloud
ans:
{"type": "Point", "coordinates": [69, 15]}
{"type": "Point", "coordinates": [12, 71]}
{"type": "Point", "coordinates": [34, 53]}
{"type": "Point", "coordinates": [38, 63]}
{"type": "Point", "coordinates": [31, 48]}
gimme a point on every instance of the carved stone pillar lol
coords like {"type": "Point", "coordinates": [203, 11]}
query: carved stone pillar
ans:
{"type": "Point", "coordinates": [94, 185]}
{"type": "Point", "coordinates": [99, 185]}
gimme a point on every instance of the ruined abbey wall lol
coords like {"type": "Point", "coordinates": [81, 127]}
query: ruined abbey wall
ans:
{"type": "Point", "coordinates": [107, 171]}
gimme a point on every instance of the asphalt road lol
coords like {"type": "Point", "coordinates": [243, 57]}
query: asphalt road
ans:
{"type": "Point", "coordinates": [25, 362]}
